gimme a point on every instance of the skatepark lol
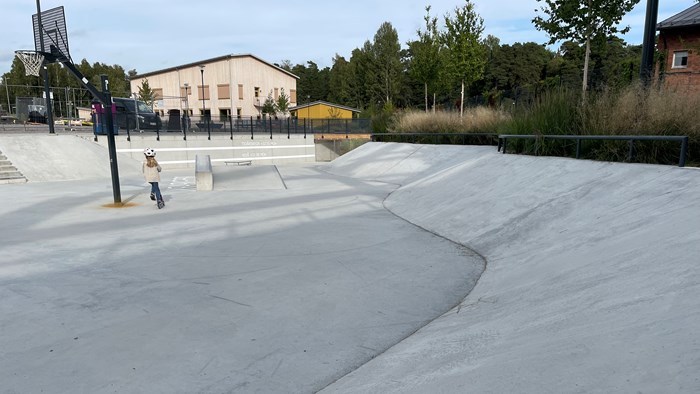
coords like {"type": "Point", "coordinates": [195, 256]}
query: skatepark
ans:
{"type": "Point", "coordinates": [396, 268]}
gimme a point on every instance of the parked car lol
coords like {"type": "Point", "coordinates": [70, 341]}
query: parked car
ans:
{"type": "Point", "coordinates": [136, 115]}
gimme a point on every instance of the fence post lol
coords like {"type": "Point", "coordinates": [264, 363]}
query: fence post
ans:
{"type": "Point", "coordinates": [251, 127]}
{"type": "Point", "coordinates": [684, 151]}
{"type": "Point", "coordinates": [578, 148]}
{"type": "Point", "coordinates": [630, 155]}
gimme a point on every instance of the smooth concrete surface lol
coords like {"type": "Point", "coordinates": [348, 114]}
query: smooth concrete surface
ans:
{"type": "Point", "coordinates": [592, 282]}
{"type": "Point", "coordinates": [273, 289]}
{"type": "Point", "coordinates": [357, 277]}
{"type": "Point", "coordinates": [45, 157]}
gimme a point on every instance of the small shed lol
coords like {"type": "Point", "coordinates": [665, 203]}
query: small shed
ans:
{"type": "Point", "coordinates": [323, 110]}
{"type": "Point", "coordinates": [679, 42]}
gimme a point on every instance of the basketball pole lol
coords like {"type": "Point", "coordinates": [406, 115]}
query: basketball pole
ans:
{"type": "Point", "coordinates": [45, 71]}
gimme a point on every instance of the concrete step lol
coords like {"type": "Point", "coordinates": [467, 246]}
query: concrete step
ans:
{"type": "Point", "coordinates": [4, 167]}
{"type": "Point", "coordinates": [10, 174]}
{"type": "Point", "coordinates": [13, 180]}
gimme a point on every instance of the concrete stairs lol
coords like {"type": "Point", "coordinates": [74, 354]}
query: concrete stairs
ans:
{"type": "Point", "coordinates": [8, 172]}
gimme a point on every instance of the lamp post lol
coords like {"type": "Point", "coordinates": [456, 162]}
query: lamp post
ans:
{"type": "Point", "coordinates": [201, 68]}
{"type": "Point", "coordinates": [7, 92]}
{"type": "Point", "coordinates": [186, 115]}
{"type": "Point", "coordinates": [647, 69]}
{"type": "Point", "coordinates": [136, 111]}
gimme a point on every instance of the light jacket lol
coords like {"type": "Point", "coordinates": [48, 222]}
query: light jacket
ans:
{"type": "Point", "coordinates": [152, 174]}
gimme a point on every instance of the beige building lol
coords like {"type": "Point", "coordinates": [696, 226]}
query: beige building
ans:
{"type": "Point", "coordinates": [234, 85]}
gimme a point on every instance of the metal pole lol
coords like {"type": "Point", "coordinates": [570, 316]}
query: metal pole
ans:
{"type": "Point", "coordinates": [107, 97]}
{"type": "Point", "coordinates": [186, 116]}
{"type": "Point", "coordinates": [7, 91]}
{"type": "Point", "coordinates": [44, 71]}
{"type": "Point", "coordinates": [136, 110]}
{"type": "Point", "coordinates": [647, 68]}
{"type": "Point", "coordinates": [684, 152]}
{"type": "Point", "coordinates": [201, 68]}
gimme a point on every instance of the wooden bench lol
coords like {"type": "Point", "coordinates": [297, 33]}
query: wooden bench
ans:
{"type": "Point", "coordinates": [203, 174]}
{"type": "Point", "coordinates": [239, 162]}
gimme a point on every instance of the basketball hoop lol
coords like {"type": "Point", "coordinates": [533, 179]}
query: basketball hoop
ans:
{"type": "Point", "coordinates": [32, 61]}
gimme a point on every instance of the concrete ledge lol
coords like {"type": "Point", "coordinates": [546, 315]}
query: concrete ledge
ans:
{"type": "Point", "coordinates": [202, 173]}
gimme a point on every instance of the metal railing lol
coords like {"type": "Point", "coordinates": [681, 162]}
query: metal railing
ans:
{"type": "Point", "coordinates": [252, 126]}
{"type": "Point", "coordinates": [503, 142]}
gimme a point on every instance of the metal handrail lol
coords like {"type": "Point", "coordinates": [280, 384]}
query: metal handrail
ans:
{"type": "Point", "coordinates": [503, 141]}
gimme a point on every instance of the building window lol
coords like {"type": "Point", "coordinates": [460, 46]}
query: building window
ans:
{"type": "Point", "coordinates": [240, 91]}
{"type": "Point", "coordinates": [277, 93]}
{"type": "Point", "coordinates": [680, 59]}
{"type": "Point", "coordinates": [222, 92]}
{"type": "Point", "coordinates": [205, 91]}
{"type": "Point", "coordinates": [157, 94]}
{"type": "Point", "coordinates": [238, 112]}
{"type": "Point", "coordinates": [257, 92]}
{"type": "Point", "coordinates": [292, 96]}
{"type": "Point", "coordinates": [185, 91]}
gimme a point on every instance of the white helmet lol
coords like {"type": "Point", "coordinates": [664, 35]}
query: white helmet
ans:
{"type": "Point", "coordinates": [149, 152]}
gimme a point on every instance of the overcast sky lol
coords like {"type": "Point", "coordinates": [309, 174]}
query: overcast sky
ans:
{"type": "Point", "coordinates": [149, 35]}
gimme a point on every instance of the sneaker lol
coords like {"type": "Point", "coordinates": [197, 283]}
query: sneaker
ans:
{"type": "Point", "coordinates": [161, 204]}
{"type": "Point", "coordinates": [153, 197]}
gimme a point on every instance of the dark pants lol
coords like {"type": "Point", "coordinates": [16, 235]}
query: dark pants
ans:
{"type": "Point", "coordinates": [156, 191]}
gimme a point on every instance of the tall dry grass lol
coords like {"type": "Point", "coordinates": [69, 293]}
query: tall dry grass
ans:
{"type": "Point", "coordinates": [631, 111]}
{"type": "Point", "coordinates": [636, 110]}
{"type": "Point", "coordinates": [475, 120]}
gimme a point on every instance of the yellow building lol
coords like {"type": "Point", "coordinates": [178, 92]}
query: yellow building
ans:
{"type": "Point", "coordinates": [323, 110]}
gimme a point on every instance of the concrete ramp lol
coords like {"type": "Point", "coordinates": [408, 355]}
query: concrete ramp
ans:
{"type": "Point", "coordinates": [45, 158]}
{"type": "Point", "coordinates": [592, 281]}
{"type": "Point", "coordinates": [254, 177]}
{"type": "Point", "coordinates": [403, 163]}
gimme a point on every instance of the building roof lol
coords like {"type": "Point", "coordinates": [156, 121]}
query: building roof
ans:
{"type": "Point", "coordinates": [689, 17]}
{"type": "Point", "coordinates": [301, 106]}
{"type": "Point", "coordinates": [213, 60]}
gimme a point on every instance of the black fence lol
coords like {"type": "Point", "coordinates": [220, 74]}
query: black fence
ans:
{"type": "Point", "coordinates": [238, 126]}
{"type": "Point", "coordinates": [629, 139]}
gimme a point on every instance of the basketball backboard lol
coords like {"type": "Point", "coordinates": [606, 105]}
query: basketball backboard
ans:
{"type": "Point", "coordinates": [53, 32]}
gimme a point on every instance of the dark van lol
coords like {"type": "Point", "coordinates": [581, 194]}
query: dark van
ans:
{"type": "Point", "coordinates": [135, 115]}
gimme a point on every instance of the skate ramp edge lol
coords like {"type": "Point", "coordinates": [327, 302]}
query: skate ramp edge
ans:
{"type": "Point", "coordinates": [46, 158]}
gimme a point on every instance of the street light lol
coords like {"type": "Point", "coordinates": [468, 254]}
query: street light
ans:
{"type": "Point", "coordinates": [204, 113]}
{"type": "Point", "coordinates": [186, 115]}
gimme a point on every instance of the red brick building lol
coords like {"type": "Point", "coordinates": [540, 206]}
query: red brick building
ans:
{"type": "Point", "coordinates": [679, 42]}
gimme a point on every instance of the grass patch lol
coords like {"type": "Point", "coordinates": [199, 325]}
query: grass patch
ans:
{"type": "Point", "coordinates": [630, 111]}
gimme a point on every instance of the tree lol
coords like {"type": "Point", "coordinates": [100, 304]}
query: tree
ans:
{"type": "Point", "coordinates": [362, 76]}
{"type": "Point", "coordinates": [282, 104]}
{"type": "Point", "coordinates": [387, 61]}
{"type": "Point", "coordinates": [269, 107]}
{"type": "Point", "coordinates": [146, 94]}
{"type": "Point", "coordinates": [425, 55]}
{"type": "Point", "coordinates": [339, 90]}
{"type": "Point", "coordinates": [581, 21]}
{"type": "Point", "coordinates": [465, 60]}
